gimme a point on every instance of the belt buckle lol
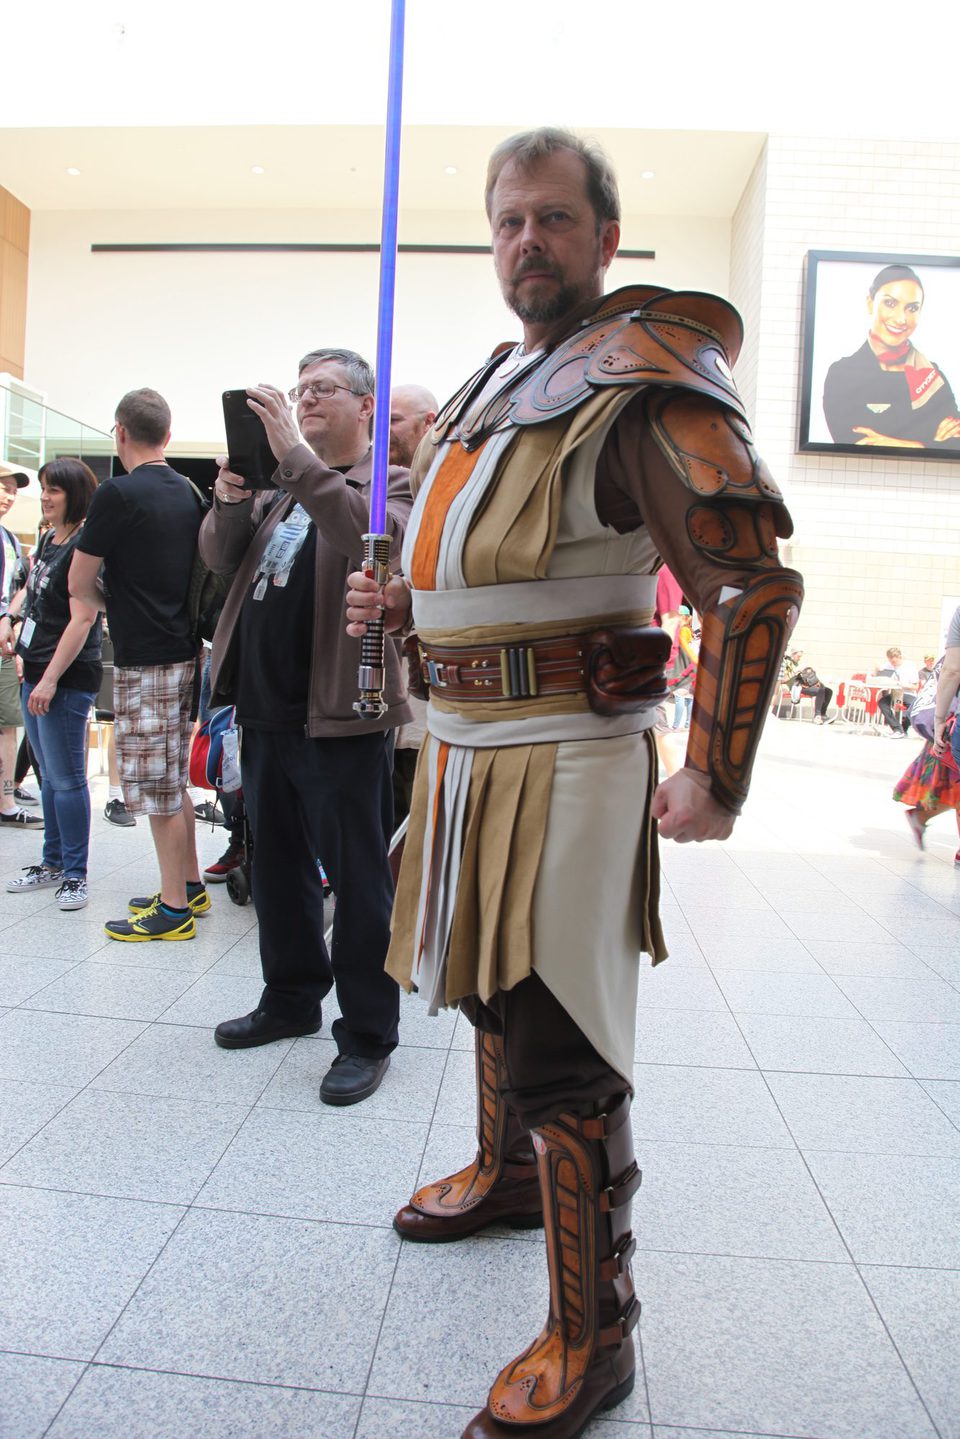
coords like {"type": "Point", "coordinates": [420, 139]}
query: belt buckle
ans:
{"type": "Point", "coordinates": [518, 672]}
{"type": "Point", "coordinates": [434, 675]}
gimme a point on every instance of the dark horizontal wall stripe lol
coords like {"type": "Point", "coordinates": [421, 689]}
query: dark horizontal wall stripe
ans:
{"type": "Point", "coordinates": [361, 249]}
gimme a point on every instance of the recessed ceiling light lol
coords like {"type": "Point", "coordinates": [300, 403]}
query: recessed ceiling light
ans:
{"type": "Point", "coordinates": [450, 170]}
{"type": "Point", "coordinates": [647, 174]}
{"type": "Point", "coordinates": [72, 170]}
{"type": "Point", "coordinates": [257, 170]}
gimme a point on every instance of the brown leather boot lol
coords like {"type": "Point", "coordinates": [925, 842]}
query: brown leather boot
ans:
{"type": "Point", "coordinates": [501, 1186]}
{"type": "Point", "coordinates": [583, 1361]}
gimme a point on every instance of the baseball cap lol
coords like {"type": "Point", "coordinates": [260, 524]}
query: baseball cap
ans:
{"type": "Point", "coordinates": [18, 475]}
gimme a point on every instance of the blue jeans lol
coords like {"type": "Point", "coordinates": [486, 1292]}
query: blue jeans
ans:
{"type": "Point", "coordinates": [58, 739]}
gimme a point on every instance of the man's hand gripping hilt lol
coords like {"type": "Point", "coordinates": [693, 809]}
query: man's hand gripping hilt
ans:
{"type": "Point", "coordinates": [370, 678]}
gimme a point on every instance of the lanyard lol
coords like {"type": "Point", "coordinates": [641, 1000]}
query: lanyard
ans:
{"type": "Point", "coordinates": [282, 549]}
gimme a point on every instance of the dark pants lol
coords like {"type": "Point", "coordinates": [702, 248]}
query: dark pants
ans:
{"type": "Point", "coordinates": [895, 721]}
{"type": "Point", "coordinates": [326, 799]}
{"type": "Point", "coordinates": [821, 696]}
{"type": "Point", "coordinates": [552, 1066]}
{"type": "Point", "coordinates": [404, 769]}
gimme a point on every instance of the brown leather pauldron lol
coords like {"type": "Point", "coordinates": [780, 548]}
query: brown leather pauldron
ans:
{"type": "Point", "coordinates": [620, 669]}
{"type": "Point", "coordinates": [640, 335]}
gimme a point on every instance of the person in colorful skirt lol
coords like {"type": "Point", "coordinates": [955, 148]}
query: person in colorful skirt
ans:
{"type": "Point", "coordinates": [931, 784]}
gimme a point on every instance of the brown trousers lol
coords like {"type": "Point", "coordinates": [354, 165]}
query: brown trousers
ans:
{"type": "Point", "coordinates": [552, 1067]}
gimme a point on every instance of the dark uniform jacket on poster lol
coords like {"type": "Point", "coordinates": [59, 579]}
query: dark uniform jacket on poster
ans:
{"type": "Point", "coordinates": [48, 606]}
{"type": "Point", "coordinates": [906, 404]}
{"type": "Point", "coordinates": [233, 540]}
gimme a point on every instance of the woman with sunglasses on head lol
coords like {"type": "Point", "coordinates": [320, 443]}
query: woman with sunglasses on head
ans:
{"type": "Point", "coordinates": [59, 645]}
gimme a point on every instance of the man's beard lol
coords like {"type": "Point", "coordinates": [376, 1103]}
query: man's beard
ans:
{"type": "Point", "coordinates": [546, 309]}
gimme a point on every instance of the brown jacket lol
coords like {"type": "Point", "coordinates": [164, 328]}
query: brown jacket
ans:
{"type": "Point", "coordinates": [234, 537]}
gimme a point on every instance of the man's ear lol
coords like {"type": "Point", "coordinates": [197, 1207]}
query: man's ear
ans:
{"type": "Point", "coordinates": [609, 241]}
{"type": "Point", "coordinates": [367, 406]}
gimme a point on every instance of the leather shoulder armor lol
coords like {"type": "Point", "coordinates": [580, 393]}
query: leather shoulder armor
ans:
{"type": "Point", "coordinates": [640, 335]}
{"type": "Point", "coordinates": [738, 510]}
{"type": "Point", "coordinates": [683, 339]}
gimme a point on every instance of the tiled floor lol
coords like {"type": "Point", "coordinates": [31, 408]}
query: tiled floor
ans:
{"type": "Point", "coordinates": [192, 1245]}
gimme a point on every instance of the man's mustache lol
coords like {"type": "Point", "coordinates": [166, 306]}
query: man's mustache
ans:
{"type": "Point", "coordinates": [534, 266]}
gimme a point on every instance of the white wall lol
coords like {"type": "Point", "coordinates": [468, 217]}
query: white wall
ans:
{"type": "Point", "coordinates": [194, 325]}
{"type": "Point", "coordinates": [878, 540]}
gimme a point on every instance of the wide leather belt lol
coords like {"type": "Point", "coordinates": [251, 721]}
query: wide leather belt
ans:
{"type": "Point", "coordinates": [492, 672]}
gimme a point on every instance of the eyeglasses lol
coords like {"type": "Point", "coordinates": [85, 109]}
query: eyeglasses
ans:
{"type": "Point", "coordinates": [319, 389]}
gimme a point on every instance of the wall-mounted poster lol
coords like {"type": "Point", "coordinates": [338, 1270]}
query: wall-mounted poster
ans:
{"type": "Point", "coordinates": [881, 355]}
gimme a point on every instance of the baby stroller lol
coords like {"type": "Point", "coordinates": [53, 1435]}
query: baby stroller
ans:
{"type": "Point", "coordinates": [215, 765]}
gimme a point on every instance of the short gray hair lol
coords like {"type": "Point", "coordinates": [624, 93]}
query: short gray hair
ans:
{"type": "Point", "coordinates": [527, 149]}
{"type": "Point", "coordinates": [361, 375]}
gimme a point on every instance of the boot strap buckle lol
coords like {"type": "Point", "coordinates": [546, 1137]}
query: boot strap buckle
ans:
{"type": "Point", "coordinates": [619, 1262]}
{"type": "Point", "coordinates": [623, 1191]}
{"type": "Point", "coordinates": [626, 1321]}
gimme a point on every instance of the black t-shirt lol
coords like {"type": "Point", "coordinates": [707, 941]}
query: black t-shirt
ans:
{"type": "Point", "coordinates": [144, 526]}
{"type": "Point", "coordinates": [48, 606]}
{"type": "Point", "coordinates": [275, 633]}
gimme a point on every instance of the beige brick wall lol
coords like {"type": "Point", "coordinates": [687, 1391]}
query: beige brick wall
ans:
{"type": "Point", "coordinates": [878, 539]}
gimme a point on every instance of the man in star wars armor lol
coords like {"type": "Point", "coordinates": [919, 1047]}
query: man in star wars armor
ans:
{"type": "Point", "coordinates": [548, 494]}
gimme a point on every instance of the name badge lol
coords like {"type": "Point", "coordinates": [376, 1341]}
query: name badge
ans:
{"type": "Point", "coordinates": [26, 632]}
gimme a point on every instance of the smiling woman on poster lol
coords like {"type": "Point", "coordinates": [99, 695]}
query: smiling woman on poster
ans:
{"type": "Point", "coordinates": [887, 392]}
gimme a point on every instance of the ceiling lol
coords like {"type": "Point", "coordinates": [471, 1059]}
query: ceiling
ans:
{"type": "Point", "coordinates": [341, 168]}
{"type": "Point", "coordinates": [824, 67]}
{"type": "Point", "coordinates": [170, 107]}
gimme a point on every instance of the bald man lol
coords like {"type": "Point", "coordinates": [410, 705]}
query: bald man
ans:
{"type": "Point", "coordinates": [412, 411]}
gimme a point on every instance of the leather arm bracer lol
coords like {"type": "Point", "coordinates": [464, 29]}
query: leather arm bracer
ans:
{"type": "Point", "coordinates": [742, 644]}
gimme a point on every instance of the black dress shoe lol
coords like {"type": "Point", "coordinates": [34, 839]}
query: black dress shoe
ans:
{"type": "Point", "coordinates": [259, 1027]}
{"type": "Point", "coordinates": [352, 1077]}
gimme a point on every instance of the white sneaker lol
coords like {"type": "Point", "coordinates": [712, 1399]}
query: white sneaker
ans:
{"type": "Point", "coordinates": [72, 894]}
{"type": "Point", "coordinates": [35, 876]}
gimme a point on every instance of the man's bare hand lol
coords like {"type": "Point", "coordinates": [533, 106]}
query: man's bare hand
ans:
{"type": "Point", "coordinates": [366, 600]}
{"type": "Point", "coordinates": [688, 812]}
{"type": "Point", "coordinates": [228, 487]}
{"type": "Point", "coordinates": [273, 407]}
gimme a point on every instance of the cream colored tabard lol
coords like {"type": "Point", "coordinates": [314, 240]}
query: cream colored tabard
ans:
{"type": "Point", "coordinates": [588, 902]}
{"type": "Point", "coordinates": [531, 845]}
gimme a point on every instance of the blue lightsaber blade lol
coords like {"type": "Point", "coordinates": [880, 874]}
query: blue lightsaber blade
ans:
{"type": "Point", "coordinates": [376, 544]}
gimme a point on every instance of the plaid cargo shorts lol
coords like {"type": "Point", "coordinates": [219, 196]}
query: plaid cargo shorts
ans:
{"type": "Point", "coordinates": [153, 708]}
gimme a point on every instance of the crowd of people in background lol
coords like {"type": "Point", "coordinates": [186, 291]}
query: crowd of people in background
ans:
{"type": "Point", "coordinates": [554, 1039]}
{"type": "Point", "coordinates": [321, 793]}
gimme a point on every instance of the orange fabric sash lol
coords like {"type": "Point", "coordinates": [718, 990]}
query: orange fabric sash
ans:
{"type": "Point", "coordinates": [454, 472]}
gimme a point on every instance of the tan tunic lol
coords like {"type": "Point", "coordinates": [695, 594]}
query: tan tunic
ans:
{"type": "Point", "coordinates": [530, 842]}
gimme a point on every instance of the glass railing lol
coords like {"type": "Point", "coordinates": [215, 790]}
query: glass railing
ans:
{"type": "Point", "coordinates": [31, 434]}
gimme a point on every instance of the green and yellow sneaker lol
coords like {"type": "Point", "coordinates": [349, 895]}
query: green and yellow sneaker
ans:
{"type": "Point", "coordinates": [152, 923]}
{"type": "Point", "coordinates": [197, 899]}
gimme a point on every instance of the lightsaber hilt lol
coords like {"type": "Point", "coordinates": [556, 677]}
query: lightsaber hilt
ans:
{"type": "Point", "coordinates": [370, 678]}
